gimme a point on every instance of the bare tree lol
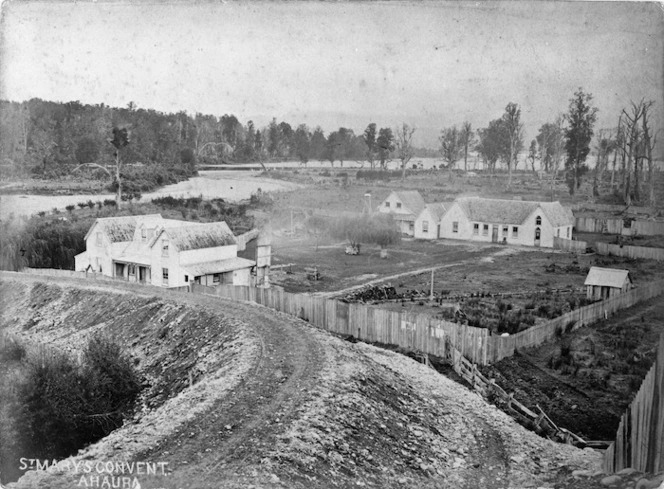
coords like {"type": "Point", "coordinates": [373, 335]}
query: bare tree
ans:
{"type": "Point", "coordinates": [632, 147]}
{"type": "Point", "coordinates": [404, 146]}
{"type": "Point", "coordinates": [451, 145]}
{"type": "Point", "coordinates": [467, 139]}
{"type": "Point", "coordinates": [514, 126]}
{"type": "Point", "coordinates": [649, 141]}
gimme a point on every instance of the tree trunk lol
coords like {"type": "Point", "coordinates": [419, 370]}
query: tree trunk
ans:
{"type": "Point", "coordinates": [118, 198]}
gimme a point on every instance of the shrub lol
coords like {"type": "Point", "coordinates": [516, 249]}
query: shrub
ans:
{"type": "Point", "coordinates": [109, 203]}
{"type": "Point", "coordinates": [67, 406]}
{"type": "Point", "coordinates": [70, 208]}
{"type": "Point", "coordinates": [82, 205]}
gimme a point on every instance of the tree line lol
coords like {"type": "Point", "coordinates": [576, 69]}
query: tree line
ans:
{"type": "Point", "coordinates": [564, 145]}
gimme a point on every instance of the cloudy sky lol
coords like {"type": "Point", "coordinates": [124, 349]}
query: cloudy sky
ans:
{"type": "Point", "coordinates": [431, 64]}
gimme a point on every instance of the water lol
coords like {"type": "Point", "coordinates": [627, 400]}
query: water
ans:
{"type": "Point", "coordinates": [231, 186]}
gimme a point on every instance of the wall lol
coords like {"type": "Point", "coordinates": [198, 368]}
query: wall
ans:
{"type": "Point", "coordinates": [617, 226]}
{"type": "Point", "coordinates": [426, 215]}
{"type": "Point", "coordinates": [631, 251]}
{"type": "Point", "coordinates": [640, 437]}
{"type": "Point", "coordinates": [569, 245]}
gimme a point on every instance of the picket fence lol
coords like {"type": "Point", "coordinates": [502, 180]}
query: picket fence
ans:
{"type": "Point", "coordinates": [640, 438]}
{"type": "Point", "coordinates": [569, 245]}
{"type": "Point", "coordinates": [415, 332]}
{"type": "Point", "coordinates": [504, 346]}
{"type": "Point", "coordinates": [631, 251]}
{"type": "Point", "coordinates": [637, 227]}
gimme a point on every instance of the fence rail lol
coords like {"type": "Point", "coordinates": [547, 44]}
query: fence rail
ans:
{"type": "Point", "coordinates": [615, 225]}
{"type": "Point", "coordinates": [415, 332]}
{"type": "Point", "coordinates": [640, 438]}
{"type": "Point", "coordinates": [631, 251]}
{"type": "Point", "coordinates": [502, 347]}
{"type": "Point", "coordinates": [569, 245]}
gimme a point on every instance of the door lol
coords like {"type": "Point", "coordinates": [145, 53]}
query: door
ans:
{"type": "Point", "coordinates": [438, 233]}
{"type": "Point", "coordinates": [494, 234]}
{"type": "Point", "coordinates": [142, 274]}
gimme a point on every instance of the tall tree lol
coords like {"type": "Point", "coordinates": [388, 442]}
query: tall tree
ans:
{"type": "Point", "coordinates": [532, 155]}
{"type": "Point", "coordinates": [467, 140]}
{"type": "Point", "coordinates": [385, 145]}
{"type": "Point", "coordinates": [649, 141]}
{"type": "Point", "coordinates": [120, 140]}
{"type": "Point", "coordinates": [369, 138]}
{"type": "Point", "coordinates": [514, 127]}
{"type": "Point", "coordinates": [404, 146]}
{"type": "Point", "coordinates": [578, 135]}
{"type": "Point", "coordinates": [318, 144]}
{"type": "Point", "coordinates": [273, 138]}
{"type": "Point", "coordinates": [302, 143]}
{"type": "Point", "coordinates": [451, 145]}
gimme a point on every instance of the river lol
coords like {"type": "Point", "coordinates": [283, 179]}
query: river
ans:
{"type": "Point", "coordinates": [231, 186]}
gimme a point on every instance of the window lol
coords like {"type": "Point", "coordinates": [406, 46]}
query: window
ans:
{"type": "Point", "coordinates": [425, 226]}
{"type": "Point", "coordinates": [98, 239]}
{"type": "Point", "coordinates": [558, 232]}
{"type": "Point", "coordinates": [164, 247]}
{"type": "Point", "coordinates": [505, 230]}
{"type": "Point", "coordinates": [515, 231]}
{"type": "Point", "coordinates": [186, 278]}
{"type": "Point", "coordinates": [164, 275]}
{"type": "Point", "coordinates": [568, 232]}
{"type": "Point", "coordinates": [144, 234]}
{"type": "Point", "coordinates": [476, 228]}
{"type": "Point", "coordinates": [538, 234]}
{"type": "Point", "coordinates": [387, 204]}
{"type": "Point", "coordinates": [216, 278]}
{"type": "Point", "coordinates": [398, 205]}
{"type": "Point", "coordinates": [411, 226]}
{"type": "Point", "coordinates": [455, 227]}
{"type": "Point", "coordinates": [485, 230]}
{"type": "Point", "coordinates": [538, 221]}
{"type": "Point", "coordinates": [132, 269]}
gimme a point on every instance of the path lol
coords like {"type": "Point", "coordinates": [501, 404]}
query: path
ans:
{"type": "Point", "coordinates": [335, 293]}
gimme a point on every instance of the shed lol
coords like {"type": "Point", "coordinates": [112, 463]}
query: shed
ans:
{"type": "Point", "coordinates": [604, 283]}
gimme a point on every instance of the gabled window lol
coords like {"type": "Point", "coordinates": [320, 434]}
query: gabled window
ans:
{"type": "Point", "coordinates": [485, 230]}
{"type": "Point", "coordinates": [515, 231]}
{"type": "Point", "coordinates": [164, 247]}
{"type": "Point", "coordinates": [387, 204]}
{"type": "Point", "coordinates": [455, 227]}
{"type": "Point", "coordinates": [538, 221]}
{"type": "Point", "coordinates": [476, 228]}
{"type": "Point", "coordinates": [398, 205]}
{"type": "Point", "coordinates": [425, 226]}
{"type": "Point", "coordinates": [144, 234]}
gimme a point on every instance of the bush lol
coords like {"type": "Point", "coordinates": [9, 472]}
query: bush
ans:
{"type": "Point", "coordinates": [109, 203]}
{"type": "Point", "coordinates": [67, 406]}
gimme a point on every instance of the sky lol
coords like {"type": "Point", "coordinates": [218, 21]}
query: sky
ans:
{"type": "Point", "coordinates": [429, 64]}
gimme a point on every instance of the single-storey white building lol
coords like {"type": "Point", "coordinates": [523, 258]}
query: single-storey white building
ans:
{"type": "Point", "coordinates": [427, 223]}
{"type": "Point", "coordinates": [506, 221]}
{"type": "Point", "coordinates": [604, 283]}
{"type": "Point", "coordinates": [164, 252]}
{"type": "Point", "coordinates": [404, 206]}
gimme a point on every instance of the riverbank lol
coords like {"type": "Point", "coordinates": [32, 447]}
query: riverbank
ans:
{"type": "Point", "coordinates": [232, 187]}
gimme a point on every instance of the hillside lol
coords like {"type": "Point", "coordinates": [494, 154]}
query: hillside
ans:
{"type": "Point", "coordinates": [239, 395]}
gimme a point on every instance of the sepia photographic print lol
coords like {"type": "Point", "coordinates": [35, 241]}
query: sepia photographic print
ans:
{"type": "Point", "coordinates": [306, 244]}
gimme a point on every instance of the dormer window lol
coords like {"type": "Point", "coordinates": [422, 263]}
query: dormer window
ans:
{"type": "Point", "coordinates": [538, 221]}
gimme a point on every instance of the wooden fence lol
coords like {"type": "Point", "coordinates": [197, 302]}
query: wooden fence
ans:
{"type": "Point", "coordinates": [640, 438]}
{"type": "Point", "coordinates": [569, 245]}
{"type": "Point", "coordinates": [504, 346]}
{"type": "Point", "coordinates": [587, 206]}
{"type": "Point", "coordinates": [631, 251]}
{"type": "Point", "coordinates": [415, 332]}
{"type": "Point", "coordinates": [612, 225]}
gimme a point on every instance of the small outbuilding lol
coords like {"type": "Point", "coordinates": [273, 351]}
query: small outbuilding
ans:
{"type": "Point", "coordinates": [404, 206]}
{"type": "Point", "coordinates": [604, 283]}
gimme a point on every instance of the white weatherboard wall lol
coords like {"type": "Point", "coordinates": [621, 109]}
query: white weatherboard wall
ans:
{"type": "Point", "coordinates": [97, 255]}
{"type": "Point", "coordinates": [432, 221]}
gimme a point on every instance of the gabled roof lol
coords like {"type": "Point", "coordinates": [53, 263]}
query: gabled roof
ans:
{"type": "Point", "coordinates": [436, 210]}
{"type": "Point", "coordinates": [607, 277]}
{"type": "Point", "coordinates": [501, 211]}
{"type": "Point", "coordinates": [196, 236]}
{"type": "Point", "coordinates": [557, 214]}
{"type": "Point", "coordinates": [219, 266]}
{"type": "Point", "coordinates": [119, 229]}
{"type": "Point", "coordinates": [411, 200]}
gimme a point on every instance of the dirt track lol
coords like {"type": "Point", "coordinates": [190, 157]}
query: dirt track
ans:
{"type": "Point", "coordinates": [295, 407]}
